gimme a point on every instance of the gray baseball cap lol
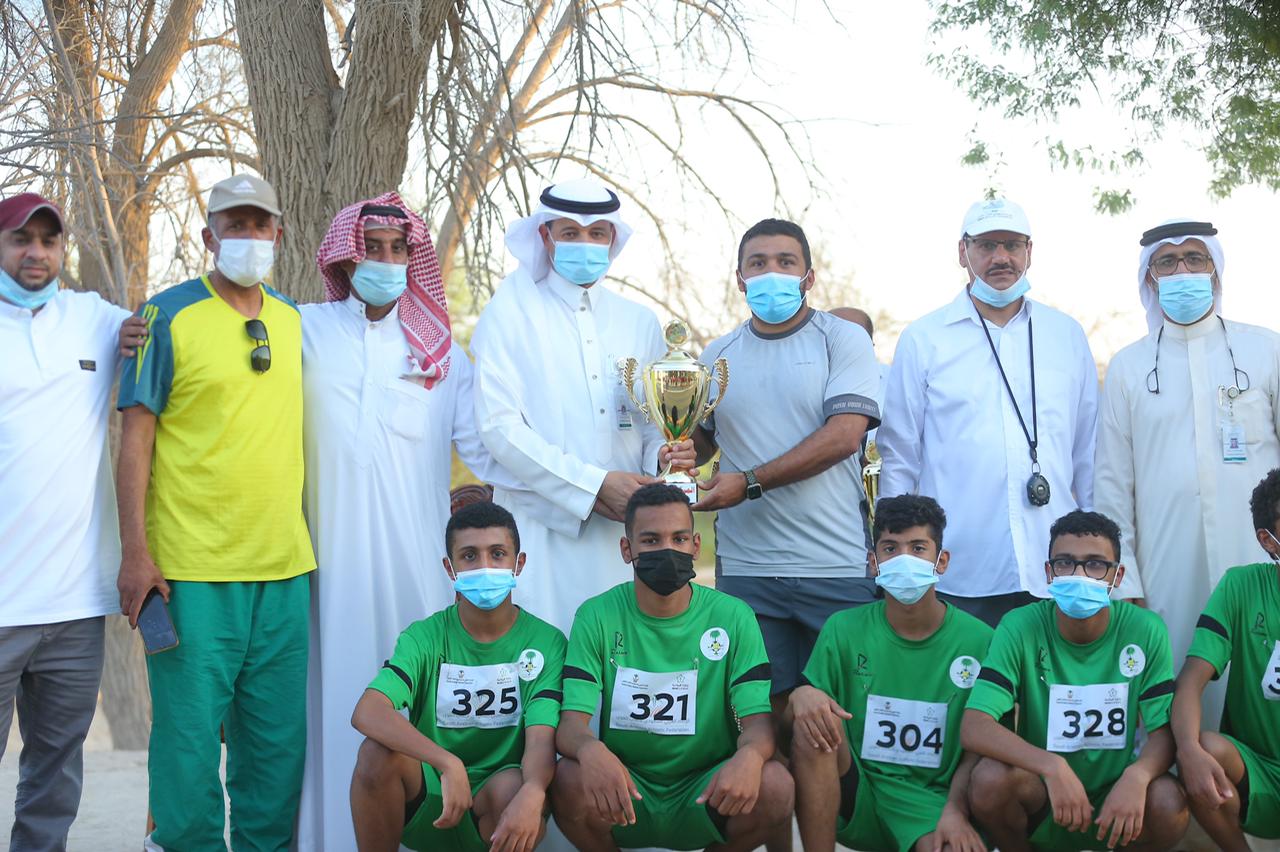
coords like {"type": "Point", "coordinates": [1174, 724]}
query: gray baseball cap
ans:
{"type": "Point", "coordinates": [243, 191]}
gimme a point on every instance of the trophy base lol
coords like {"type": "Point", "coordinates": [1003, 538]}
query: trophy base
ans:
{"type": "Point", "coordinates": [685, 483]}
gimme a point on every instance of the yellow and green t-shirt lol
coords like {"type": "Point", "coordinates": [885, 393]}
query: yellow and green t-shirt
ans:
{"type": "Point", "coordinates": [225, 498]}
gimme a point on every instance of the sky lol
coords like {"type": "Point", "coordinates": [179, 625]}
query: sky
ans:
{"type": "Point", "coordinates": [888, 133]}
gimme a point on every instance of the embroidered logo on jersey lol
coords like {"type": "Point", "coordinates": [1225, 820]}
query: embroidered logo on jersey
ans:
{"type": "Point", "coordinates": [1259, 625]}
{"type": "Point", "coordinates": [715, 643]}
{"type": "Point", "coordinates": [618, 648]}
{"type": "Point", "coordinates": [530, 663]}
{"type": "Point", "coordinates": [964, 671]}
{"type": "Point", "coordinates": [1132, 661]}
{"type": "Point", "coordinates": [1042, 659]}
{"type": "Point", "coordinates": [863, 666]}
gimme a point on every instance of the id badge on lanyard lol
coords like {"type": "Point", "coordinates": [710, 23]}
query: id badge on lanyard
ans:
{"type": "Point", "coordinates": [1234, 449]}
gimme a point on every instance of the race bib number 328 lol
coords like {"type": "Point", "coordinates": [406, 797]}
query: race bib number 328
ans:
{"type": "Point", "coordinates": [902, 731]}
{"type": "Point", "coordinates": [1088, 717]}
{"type": "Point", "coordinates": [655, 702]}
{"type": "Point", "coordinates": [478, 696]}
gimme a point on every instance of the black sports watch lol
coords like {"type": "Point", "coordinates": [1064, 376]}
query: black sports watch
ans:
{"type": "Point", "coordinates": [754, 489]}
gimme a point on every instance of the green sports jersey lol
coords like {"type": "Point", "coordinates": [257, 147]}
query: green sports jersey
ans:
{"type": "Point", "coordinates": [668, 688]}
{"type": "Point", "coordinates": [474, 699]}
{"type": "Point", "coordinates": [906, 697]}
{"type": "Point", "coordinates": [1241, 626]}
{"type": "Point", "coordinates": [1080, 701]}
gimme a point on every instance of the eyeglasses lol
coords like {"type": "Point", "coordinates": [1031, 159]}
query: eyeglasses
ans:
{"type": "Point", "coordinates": [1063, 566]}
{"type": "Point", "coordinates": [260, 357]}
{"type": "Point", "coordinates": [1193, 261]}
{"type": "Point", "coordinates": [990, 246]}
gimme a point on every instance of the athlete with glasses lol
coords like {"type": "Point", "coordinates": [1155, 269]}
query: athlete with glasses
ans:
{"type": "Point", "coordinates": [1085, 671]}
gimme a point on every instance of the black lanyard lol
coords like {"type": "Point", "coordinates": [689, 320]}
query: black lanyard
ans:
{"type": "Point", "coordinates": [1033, 437]}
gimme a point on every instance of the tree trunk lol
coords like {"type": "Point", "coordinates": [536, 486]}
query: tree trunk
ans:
{"type": "Point", "coordinates": [126, 698]}
{"type": "Point", "coordinates": [323, 145]}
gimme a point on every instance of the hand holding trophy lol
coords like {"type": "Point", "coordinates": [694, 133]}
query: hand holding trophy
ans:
{"type": "Point", "coordinates": [676, 396]}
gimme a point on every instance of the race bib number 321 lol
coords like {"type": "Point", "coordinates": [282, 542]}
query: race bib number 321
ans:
{"type": "Point", "coordinates": [478, 696]}
{"type": "Point", "coordinates": [902, 731]}
{"type": "Point", "coordinates": [654, 702]}
{"type": "Point", "coordinates": [1088, 717]}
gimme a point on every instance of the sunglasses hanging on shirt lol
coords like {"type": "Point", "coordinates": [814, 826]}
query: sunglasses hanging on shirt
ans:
{"type": "Point", "coordinates": [1038, 491]}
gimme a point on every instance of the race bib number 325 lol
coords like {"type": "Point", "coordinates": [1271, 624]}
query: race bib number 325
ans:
{"type": "Point", "coordinates": [478, 696]}
{"type": "Point", "coordinates": [902, 731]}
{"type": "Point", "coordinates": [1088, 717]}
{"type": "Point", "coordinates": [655, 702]}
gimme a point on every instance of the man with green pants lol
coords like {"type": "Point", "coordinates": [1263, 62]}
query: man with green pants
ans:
{"type": "Point", "coordinates": [210, 493]}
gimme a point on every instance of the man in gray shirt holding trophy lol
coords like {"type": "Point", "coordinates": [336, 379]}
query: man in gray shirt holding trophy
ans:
{"type": "Point", "coordinates": [791, 539]}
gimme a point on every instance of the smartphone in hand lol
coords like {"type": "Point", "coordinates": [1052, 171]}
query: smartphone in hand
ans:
{"type": "Point", "coordinates": [155, 625]}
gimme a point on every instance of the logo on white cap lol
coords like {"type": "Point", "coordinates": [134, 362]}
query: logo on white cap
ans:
{"type": "Point", "coordinates": [243, 188]}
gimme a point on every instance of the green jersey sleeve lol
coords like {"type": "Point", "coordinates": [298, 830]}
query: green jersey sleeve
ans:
{"type": "Point", "coordinates": [1212, 640]}
{"type": "Point", "coordinates": [1155, 701]}
{"type": "Point", "coordinates": [543, 707]}
{"type": "Point", "coordinates": [147, 377]}
{"type": "Point", "coordinates": [584, 661]}
{"type": "Point", "coordinates": [996, 689]}
{"type": "Point", "coordinates": [750, 675]}
{"type": "Point", "coordinates": [823, 669]}
{"type": "Point", "coordinates": [400, 675]}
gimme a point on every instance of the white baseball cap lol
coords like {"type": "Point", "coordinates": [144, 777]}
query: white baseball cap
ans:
{"type": "Point", "coordinates": [997, 214]}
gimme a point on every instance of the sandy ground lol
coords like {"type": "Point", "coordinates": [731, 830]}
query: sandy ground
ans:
{"type": "Point", "coordinates": [113, 808]}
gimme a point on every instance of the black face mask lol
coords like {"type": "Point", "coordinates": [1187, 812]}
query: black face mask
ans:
{"type": "Point", "coordinates": [664, 571]}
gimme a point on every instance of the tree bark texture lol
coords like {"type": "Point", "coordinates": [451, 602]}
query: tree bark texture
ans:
{"type": "Point", "coordinates": [322, 144]}
{"type": "Point", "coordinates": [124, 215]}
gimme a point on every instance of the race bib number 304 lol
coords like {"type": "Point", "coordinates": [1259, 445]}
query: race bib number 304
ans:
{"type": "Point", "coordinates": [1088, 717]}
{"type": "Point", "coordinates": [899, 730]}
{"type": "Point", "coordinates": [655, 702]}
{"type": "Point", "coordinates": [478, 696]}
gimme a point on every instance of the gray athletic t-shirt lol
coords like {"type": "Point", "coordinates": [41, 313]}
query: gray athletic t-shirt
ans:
{"type": "Point", "coordinates": [781, 390]}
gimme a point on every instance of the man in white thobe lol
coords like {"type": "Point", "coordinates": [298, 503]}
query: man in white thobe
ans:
{"type": "Point", "coordinates": [1188, 426]}
{"type": "Point", "coordinates": [550, 404]}
{"type": "Point", "coordinates": [991, 408]}
{"type": "Point", "coordinates": [386, 393]}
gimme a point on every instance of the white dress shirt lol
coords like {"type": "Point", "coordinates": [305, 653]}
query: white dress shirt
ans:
{"type": "Point", "coordinates": [551, 410]}
{"type": "Point", "coordinates": [1183, 511]}
{"type": "Point", "coordinates": [61, 550]}
{"type": "Point", "coordinates": [378, 467]}
{"type": "Point", "coordinates": [951, 432]}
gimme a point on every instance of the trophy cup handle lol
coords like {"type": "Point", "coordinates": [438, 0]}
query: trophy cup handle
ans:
{"type": "Point", "coordinates": [721, 370]}
{"type": "Point", "coordinates": [629, 367]}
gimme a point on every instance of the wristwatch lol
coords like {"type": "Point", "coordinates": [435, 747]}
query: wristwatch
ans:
{"type": "Point", "coordinates": [754, 489]}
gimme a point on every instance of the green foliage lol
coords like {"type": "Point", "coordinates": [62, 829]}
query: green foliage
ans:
{"type": "Point", "coordinates": [1211, 66]}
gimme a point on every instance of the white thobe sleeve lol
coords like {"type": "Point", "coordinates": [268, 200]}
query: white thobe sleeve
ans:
{"type": "Point", "coordinates": [653, 438]}
{"type": "Point", "coordinates": [1083, 445]}
{"type": "Point", "coordinates": [557, 476]}
{"type": "Point", "coordinates": [465, 435]}
{"type": "Point", "coordinates": [1115, 483]}
{"type": "Point", "coordinates": [901, 436]}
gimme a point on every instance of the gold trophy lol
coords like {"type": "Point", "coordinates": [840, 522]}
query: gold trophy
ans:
{"type": "Point", "coordinates": [677, 391]}
{"type": "Point", "coordinates": [871, 478]}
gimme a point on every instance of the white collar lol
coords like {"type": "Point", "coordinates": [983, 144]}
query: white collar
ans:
{"type": "Point", "coordinates": [572, 294]}
{"type": "Point", "coordinates": [357, 307]}
{"type": "Point", "coordinates": [1204, 327]}
{"type": "Point", "coordinates": [962, 308]}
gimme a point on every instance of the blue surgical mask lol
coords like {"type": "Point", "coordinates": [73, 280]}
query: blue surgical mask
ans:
{"type": "Point", "coordinates": [907, 577]}
{"type": "Point", "coordinates": [581, 263]}
{"type": "Point", "coordinates": [379, 283]}
{"type": "Point", "coordinates": [1186, 297]}
{"type": "Point", "coordinates": [774, 297]}
{"type": "Point", "coordinates": [985, 293]}
{"type": "Point", "coordinates": [485, 587]}
{"type": "Point", "coordinates": [13, 292]}
{"type": "Point", "coordinates": [1080, 597]}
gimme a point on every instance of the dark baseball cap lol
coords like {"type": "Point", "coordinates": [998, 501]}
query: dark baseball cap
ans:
{"type": "Point", "coordinates": [18, 210]}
